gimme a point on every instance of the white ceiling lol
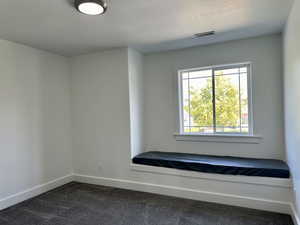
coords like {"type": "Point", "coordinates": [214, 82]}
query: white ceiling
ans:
{"type": "Point", "coordinates": [148, 25]}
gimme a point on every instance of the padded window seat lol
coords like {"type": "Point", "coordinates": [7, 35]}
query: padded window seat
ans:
{"type": "Point", "coordinates": [215, 164]}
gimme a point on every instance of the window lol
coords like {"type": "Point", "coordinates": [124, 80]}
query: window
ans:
{"type": "Point", "coordinates": [216, 100]}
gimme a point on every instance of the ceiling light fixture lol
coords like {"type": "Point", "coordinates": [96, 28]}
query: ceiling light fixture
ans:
{"type": "Point", "coordinates": [91, 7]}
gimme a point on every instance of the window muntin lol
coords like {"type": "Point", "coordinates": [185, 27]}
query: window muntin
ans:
{"type": "Point", "coordinates": [216, 100]}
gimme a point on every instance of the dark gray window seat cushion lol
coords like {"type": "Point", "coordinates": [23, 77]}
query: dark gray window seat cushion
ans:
{"type": "Point", "coordinates": [215, 164]}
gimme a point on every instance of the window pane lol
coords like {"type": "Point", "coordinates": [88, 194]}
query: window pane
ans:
{"type": "Point", "coordinates": [197, 98]}
{"type": "Point", "coordinates": [227, 71]}
{"type": "Point", "coordinates": [230, 114]}
{"type": "Point", "coordinates": [243, 69]}
{"type": "Point", "coordinates": [185, 103]}
{"type": "Point", "coordinates": [185, 75]}
{"type": "Point", "coordinates": [200, 74]}
{"type": "Point", "coordinates": [244, 104]}
{"type": "Point", "coordinates": [227, 100]}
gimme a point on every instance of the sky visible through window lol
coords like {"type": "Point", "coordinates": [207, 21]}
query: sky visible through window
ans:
{"type": "Point", "coordinates": [215, 100]}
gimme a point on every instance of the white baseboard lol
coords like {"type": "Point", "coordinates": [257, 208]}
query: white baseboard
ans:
{"type": "Point", "coordinates": [227, 199]}
{"type": "Point", "coordinates": [295, 215]}
{"type": "Point", "coordinates": [34, 191]}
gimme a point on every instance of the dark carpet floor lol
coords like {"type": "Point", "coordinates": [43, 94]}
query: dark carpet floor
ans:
{"type": "Point", "coordinates": [83, 204]}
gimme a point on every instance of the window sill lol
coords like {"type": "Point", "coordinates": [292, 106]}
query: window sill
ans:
{"type": "Point", "coordinates": [223, 138]}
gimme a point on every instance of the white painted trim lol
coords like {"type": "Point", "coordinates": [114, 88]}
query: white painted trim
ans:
{"type": "Point", "coordinates": [228, 199]}
{"type": "Point", "coordinates": [34, 191]}
{"type": "Point", "coordinates": [249, 139]}
{"type": "Point", "coordinates": [264, 181]}
{"type": "Point", "coordinates": [295, 215]}
{"type": "Point", "coordinates": [213, 68]}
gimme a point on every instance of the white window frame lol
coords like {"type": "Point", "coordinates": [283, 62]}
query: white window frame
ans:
{"type": "Point", "coordinates": [220, 134]}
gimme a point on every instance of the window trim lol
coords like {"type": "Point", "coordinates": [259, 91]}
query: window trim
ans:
{"type": "Point", "coordinates": [222, 138]}
{"type": "Point", "coordinates": [213, 68]}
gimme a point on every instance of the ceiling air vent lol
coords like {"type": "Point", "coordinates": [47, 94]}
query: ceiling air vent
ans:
{"type": "Point", "coordinates": [204, 34]}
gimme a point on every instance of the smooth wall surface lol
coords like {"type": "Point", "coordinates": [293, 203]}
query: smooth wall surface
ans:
{"type": "Point", "coordinates": [34, 118]}
{"type": "Point", "coordinates": [101, 113]}
{"type": "Point", "coordinates": [101, 128]}
{"type": "Point", "coordinates": [292, 96]}
{"type": "Point", "coordinates": [161, 97]}
{"type": "Point", "coordinates": [136, 99]}
{"type": "Point", "coordinates": [106, 93]}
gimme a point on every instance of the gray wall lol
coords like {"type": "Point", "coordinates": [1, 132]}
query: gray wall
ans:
{"type": "Point", "coordinates": [34, 118]}
{"type": "Point", "coordinates": [292, 96]}
{"type": "Point", "coordinates": [101, 124]}
{"type": "Point", "coordinates": [101, 113]}
{"type": "Point", "coordinates": [107, 90]}
{"type": "Point", "coordinates": [136, 98]}
{"type": "Point", "coordinates": [161, 101]}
